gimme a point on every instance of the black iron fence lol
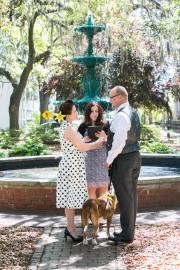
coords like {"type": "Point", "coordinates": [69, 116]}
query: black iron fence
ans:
{"type": "Point", "coordinates": [173, 125]}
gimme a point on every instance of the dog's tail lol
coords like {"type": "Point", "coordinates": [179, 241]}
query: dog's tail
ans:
{"type": "Point", "coordinates": [85, 215]}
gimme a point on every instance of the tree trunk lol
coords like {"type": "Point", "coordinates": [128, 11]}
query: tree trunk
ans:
{"type": "Point", "coordinates": [14, 110]}
{"type": "Point", "coordinates": [44, 101]}
{"type": "Point", "coordinates": [17, 95]}
{"type": "Point", "coordinates": [150, 118]}
{"type": "Point", "coordinates": [144, 117]}
{"type": "Point", "coordinates": [18, 89]}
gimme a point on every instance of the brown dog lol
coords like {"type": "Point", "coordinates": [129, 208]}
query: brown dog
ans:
{"type": "Point", "coordinates": [94, 209]}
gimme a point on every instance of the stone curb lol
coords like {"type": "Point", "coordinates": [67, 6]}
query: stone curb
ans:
{"type": "Point", "coordinates": [8, 182]}
{"type": "Point", "coordinates": [52, 157]}
{"type": "Point", "coordinates": [38, 253]}
{"type": "Point", "coordinates": [168, 160]}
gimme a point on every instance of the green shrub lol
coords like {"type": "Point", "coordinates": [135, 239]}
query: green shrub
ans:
{"type": "Point", "coordinates": [150, 132]}
{"type": "Point", "coordinates": [44, 134]}
{"type": "Point", "coordinates": [156, 147]}
{"type": "Point", "coordinates": [29, 148]}
{"type": "Point", "coordinates": [1, 136]}
{"type": "Point", "coordinates": [7, 141]}
{"type": "Point", "coordinates": [2, 154]}
{"type": "Point", "coordinates": [34, 121]}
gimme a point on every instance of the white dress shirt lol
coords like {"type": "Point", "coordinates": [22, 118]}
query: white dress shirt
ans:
{"type": "Point", "coordinates": [121, 124]}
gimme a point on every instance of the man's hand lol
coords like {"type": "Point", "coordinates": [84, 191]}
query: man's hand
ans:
{"type": "Point", "coordinates": [108, 166]}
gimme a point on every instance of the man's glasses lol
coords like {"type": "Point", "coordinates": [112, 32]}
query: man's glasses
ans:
{"type": "Point", "coordinates": [114, 96]}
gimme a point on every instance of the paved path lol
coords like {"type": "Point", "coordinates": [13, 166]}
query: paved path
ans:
{"type": "Point", "coordinates": [53, 252]}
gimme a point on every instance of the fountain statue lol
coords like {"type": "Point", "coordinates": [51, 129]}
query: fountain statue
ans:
{"type": "Point", "coordinates": [90, 81]}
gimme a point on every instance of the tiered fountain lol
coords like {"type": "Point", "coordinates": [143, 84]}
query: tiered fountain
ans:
{"type": "Point", "coordinates": [90, 82]}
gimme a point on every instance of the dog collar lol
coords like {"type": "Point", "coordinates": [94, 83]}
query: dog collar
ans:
{"type": "Point", "coordinates": [104, 196]}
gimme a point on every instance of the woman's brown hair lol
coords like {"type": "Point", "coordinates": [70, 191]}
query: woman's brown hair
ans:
{"type": "Point", "coordinates": [65, 108]}
{"type": "Point", "coordinates": [87, 119]}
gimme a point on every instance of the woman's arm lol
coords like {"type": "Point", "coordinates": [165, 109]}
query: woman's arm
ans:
{"type": "Point", "coordinates": [72, 135]}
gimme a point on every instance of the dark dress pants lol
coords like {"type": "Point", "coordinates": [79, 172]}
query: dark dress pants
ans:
{"type": "Point", "coordinates": [126, 169]}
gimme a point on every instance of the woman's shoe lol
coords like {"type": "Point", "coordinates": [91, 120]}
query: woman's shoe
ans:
{"type": "Point", "coordinates": [76, 240]}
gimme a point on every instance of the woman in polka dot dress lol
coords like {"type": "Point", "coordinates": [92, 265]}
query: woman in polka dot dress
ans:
{"type": "Point", "coordinates": [72, 191]}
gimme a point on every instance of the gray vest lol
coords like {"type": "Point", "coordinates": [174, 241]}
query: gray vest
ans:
{"type": "Point", "coordinates": [133, 135]}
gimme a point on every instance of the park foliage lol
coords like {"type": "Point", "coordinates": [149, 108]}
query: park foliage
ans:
{"type": "Point", "coordinates": [38, 40]}
{"type": "Point", "coordinates": [34, 141]}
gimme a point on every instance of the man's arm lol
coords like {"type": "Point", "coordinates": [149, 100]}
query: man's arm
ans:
{"type": "Point", "coordinates": [120, 126]}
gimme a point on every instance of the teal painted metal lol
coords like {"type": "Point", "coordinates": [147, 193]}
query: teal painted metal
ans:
{"type": "Point", "coordinates": [90, 81]}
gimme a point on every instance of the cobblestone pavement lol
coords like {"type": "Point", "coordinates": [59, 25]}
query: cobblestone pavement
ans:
{"type": "Point", "coordinates": [53, 252]}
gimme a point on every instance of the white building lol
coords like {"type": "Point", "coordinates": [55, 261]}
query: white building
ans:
{"type": "Point", "coordinates": [29, 104]}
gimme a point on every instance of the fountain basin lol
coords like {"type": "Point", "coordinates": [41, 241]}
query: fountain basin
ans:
{"type": "Point", "coordinates": [81, 104]}
{"type": "Point", "coordinates": [50, 173]}
{"type": "Point", "coordinates": [90, 61]}
{"type": "Point", "coordinates": [90, 30]}
{"type": "Point", "coordinates": [159, 192]}
{"type": "Point", "coordinates": [158, 188]}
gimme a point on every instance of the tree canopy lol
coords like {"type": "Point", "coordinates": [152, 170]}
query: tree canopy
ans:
{"type": "Point", "coordinates": [38, 39]}
{"type": "Point", "coordinates": [33, 30]}
{"type": "Point", "coordinates": [134, 60]}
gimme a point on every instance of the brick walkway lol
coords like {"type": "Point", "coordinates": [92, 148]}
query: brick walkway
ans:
{"type": "Point", "coordinates": [54, 253]}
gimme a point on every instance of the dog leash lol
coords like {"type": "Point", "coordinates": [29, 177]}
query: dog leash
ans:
{"type": "Point", "coordinates": [109, 199]}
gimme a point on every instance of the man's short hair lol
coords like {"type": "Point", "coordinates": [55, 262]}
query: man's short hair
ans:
{"type": "Point", "coordinates": [120, 90]}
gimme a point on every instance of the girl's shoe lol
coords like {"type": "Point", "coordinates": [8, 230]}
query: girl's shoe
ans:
{"type": "Point", "coordinates": [76, 240]}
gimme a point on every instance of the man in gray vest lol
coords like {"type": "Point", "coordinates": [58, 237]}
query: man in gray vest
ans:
{"type": "Point", "coordinates": [124, 160]}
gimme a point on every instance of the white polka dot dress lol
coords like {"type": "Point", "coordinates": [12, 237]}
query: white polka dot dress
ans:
{"type": "Point", "coordinates": [71, 189]}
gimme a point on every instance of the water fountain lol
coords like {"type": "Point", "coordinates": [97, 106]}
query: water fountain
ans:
{"type": "Point", "coordinates": [90, 81]}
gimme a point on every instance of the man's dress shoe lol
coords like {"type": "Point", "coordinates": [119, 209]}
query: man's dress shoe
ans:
{"type": "Point", "coordinates": [116, 234]}
{"type": "Point", "coordinates": [120, 239]}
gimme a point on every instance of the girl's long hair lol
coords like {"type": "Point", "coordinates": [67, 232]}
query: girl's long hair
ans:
{"type": "Point", "coordinates": [87, 119]}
